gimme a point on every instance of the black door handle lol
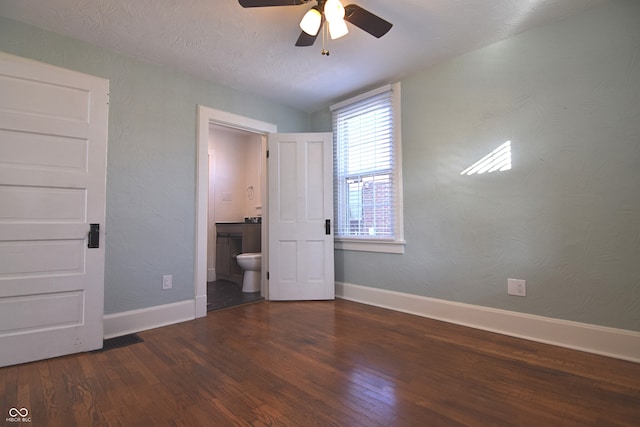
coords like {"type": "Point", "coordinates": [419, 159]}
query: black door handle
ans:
{"type": "Point", "coordinates": [327, 226]}
{"type": "Point", "coordinates": [93, 240]}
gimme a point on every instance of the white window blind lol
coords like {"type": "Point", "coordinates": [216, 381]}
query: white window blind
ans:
{"type": "Point", "coordinates": [364, 168]}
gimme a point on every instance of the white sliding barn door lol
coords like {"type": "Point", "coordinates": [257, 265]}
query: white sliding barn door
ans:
{"type": "Point", "coordinates": [53, 139]}
{"type": "Point", "coordinates": [300, 204]}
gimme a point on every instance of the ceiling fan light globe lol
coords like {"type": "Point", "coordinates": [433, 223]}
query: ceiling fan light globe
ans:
{"type": "Point", "coordinates": [338, 29]}
{"type": "Point", "coordinates": [333, 10]}
{"type": "Point", "coordinates": [311, 21]}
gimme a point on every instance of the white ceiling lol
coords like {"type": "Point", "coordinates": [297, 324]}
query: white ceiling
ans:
{"type": "Point", "coordinates": [253, 50]}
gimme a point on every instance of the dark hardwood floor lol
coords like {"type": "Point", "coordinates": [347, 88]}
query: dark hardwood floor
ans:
{"type": "Point", "coordinates": [334, 363]}
{"type": "Point", "coordinates": [224, 294]}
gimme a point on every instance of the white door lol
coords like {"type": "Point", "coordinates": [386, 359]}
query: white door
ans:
{"type": "Point", "coordinates": [53, 139]}
{"type": "Point", "coordinates": [300, 217]}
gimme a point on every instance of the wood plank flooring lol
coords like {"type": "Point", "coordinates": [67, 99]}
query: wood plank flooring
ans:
{"type": "Point", "coordinates": [334, 363]}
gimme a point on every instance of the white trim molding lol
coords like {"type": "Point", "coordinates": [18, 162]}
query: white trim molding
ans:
{"type": "Point", "coordinates": [129, 322]}
{"type": "Point", "coordinates": [606, 341]}
{"type": "Point", "coordinates": [391, 247]}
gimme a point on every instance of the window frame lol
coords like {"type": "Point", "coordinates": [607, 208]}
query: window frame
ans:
{"type": "Point", "coordinates": [395, 244]}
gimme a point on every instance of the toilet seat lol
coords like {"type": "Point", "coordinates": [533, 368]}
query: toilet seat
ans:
{"type": "Point", "coordinates": [250, 255]}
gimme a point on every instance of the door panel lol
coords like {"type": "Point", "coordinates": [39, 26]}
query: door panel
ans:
{"type": "Point", "coordinates": [53, 136]}
{"type": "Point", "coordinates": [59, 309]}
{"type": "Point", "coordinates": [300, 201]}
{"type": "Point", "coordinates": [43, 151]}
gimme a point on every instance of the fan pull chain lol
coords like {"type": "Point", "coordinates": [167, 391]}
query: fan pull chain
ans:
{"type": "Point", "coordinates": [325, 30]}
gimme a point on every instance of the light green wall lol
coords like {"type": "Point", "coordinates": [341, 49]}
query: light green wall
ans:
{"type": "Point", "coordinates": [566, 218]}
{"type": "Point", "coordinates": [151, 160]}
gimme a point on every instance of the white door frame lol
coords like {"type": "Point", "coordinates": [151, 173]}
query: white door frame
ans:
{"type": "Point", "coordinates": [205, 117]}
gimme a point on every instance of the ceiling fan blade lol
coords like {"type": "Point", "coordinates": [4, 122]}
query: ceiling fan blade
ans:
{"type": "Point", "coordinates": [366, 20]}
{"type": "Point", "coordinates": [266, 3]}
{"type": "Point", "coordinates": [306, 40]}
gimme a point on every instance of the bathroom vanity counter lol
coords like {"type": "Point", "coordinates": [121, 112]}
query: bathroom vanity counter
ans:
{"type": "Point", "coordinates": [233, 238]}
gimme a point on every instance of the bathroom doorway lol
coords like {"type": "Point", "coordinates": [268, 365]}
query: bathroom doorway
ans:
{"type": "Point", "coordinates": [205, 118]}
{"type": "Point", "coordinates": [237, 165]}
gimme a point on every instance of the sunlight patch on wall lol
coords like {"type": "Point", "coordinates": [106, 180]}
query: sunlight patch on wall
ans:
{"type": "Point", "coordinates": [497, 161]}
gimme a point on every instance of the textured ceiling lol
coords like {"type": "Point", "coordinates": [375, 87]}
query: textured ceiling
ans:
{"type": "Point", "coordinates": [253, 49]}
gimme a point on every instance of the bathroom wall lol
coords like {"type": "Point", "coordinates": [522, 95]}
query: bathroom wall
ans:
{"type": "Point", "coordinates": [236, 166]}
{"type": "Point", "coordinates": [151, 164]}
{"type": "Point", "coordinates": [566, 217]}
{"type": "Point", "coordinates": [228, 150]}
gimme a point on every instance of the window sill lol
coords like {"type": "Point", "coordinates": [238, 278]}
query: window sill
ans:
{"type": "Point", "coordinates": [391, 247]}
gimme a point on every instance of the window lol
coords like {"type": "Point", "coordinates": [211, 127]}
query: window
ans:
{"type": "Point", "coordinates": [367, 178]}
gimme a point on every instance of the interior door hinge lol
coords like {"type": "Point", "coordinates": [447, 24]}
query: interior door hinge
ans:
{"type": "Point", "coordinates": [267, 275]}
{"type": "Point", "coordinates": [267, 154]}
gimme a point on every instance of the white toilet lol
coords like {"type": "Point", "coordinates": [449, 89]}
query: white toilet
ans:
{"type": "Point", "coordinates": [251, 263]}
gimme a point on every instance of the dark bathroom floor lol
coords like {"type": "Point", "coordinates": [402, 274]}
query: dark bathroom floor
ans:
{"type": "Point", "coordinates": [223, 294]}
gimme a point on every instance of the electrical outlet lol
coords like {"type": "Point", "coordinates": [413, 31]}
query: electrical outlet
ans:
{"type": "Point", "coordinates": [517, 287]}
{"type": "Point", "coordinates": [167, 281]}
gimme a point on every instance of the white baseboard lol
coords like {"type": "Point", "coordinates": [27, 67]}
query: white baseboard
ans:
{"type": "Point", "coordinates": [201, 305]}
{"type": "Point", "coordinates": [612, 342]}
{"type": "Point", "coordinates": [133, 321]}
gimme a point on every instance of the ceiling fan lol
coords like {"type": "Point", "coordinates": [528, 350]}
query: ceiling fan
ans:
{"type": "Point", "coordinates": [334, 13]}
